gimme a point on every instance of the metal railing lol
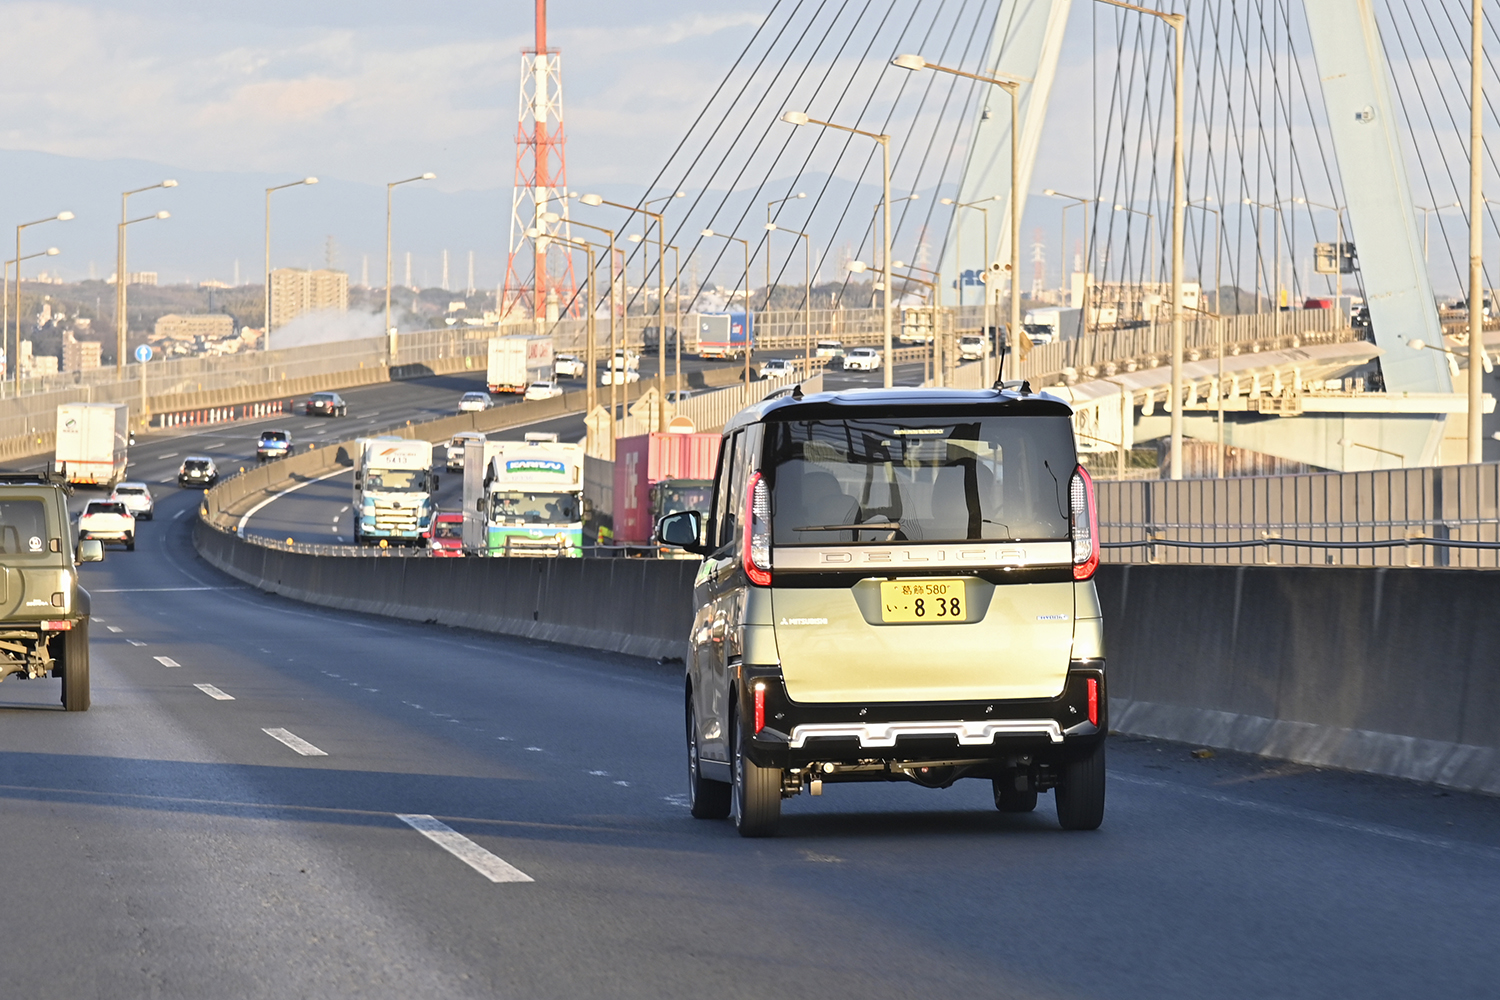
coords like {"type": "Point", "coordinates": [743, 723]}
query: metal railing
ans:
{"type": "Point", "coordinates": [1436, 517]}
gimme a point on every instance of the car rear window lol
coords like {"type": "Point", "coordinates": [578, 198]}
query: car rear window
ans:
{"type": "Point", "coordinates": [920, 479]}
{"type": "Point", "coordinates": [273, 436]}
{"type": "Point", "coordinates": [23, 527]}
{"type": "Point", "coordinates": [129, 491]}
{"type": "Point", "coordinates": [195, 465]}
{"type": "Point", "coordinates": [105, 507]}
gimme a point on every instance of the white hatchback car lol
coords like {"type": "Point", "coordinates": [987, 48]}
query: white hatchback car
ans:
{"type": "Point", "coordinates": [137, 499]}
{"type": "Point", "coordinates": [473, 402]}
{"type": "Point", "coordinates": [620, 377]}
{"type": "Point", "coordinates": [776, 367]}
{"type": "Point", "coordinates": [543, 390]}
{"type": "Point", "coordinates": [862, 359]}
{"type": "Point", "coordinates": [568, 366]}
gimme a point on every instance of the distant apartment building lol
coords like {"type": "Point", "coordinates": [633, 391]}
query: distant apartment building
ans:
{"type": "Point", "coordinates": [134, 278]}
{"type": "Point", "coordinates": [36, 365]}
{"type": "Point", "coordinates": [209, 326]}
{"type": "Point", "coordinates": [81, 355]}
{"type": "Point", "coordinates": [295, 291]}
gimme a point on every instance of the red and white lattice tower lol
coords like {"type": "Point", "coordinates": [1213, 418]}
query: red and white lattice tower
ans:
{"type": "Point", "coordinates": [541, 188]}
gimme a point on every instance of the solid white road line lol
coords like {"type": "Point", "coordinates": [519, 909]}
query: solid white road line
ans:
{"type": "Point", "coordinates": [491, 866]}
{"type": "Point", "coordinates": [214, 692]}
{"type": "Point", "coordinates": [297, 743]}
{"type": "Point", "coordinates": [166, 661]}
{"type": "Point", "coordinates": [153, 590]}
{"type": "Point", "coordinates": [240, 528]}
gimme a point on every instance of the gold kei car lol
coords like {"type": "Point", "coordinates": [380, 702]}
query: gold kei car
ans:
{"type": "Point", "coordinates": [897, 585]}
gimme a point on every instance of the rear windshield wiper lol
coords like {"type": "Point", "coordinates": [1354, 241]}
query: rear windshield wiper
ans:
{"type": "Point", "coordinates": [875, 526]}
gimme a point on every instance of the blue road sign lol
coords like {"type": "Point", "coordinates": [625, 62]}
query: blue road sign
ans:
{"type": "Point", "coordinates": [143, 353]}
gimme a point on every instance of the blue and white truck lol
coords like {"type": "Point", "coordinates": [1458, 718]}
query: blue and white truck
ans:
{"type": "Point", "coordinates": [393, 491]}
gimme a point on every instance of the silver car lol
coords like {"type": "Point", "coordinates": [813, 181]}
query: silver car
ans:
{"type": "Point", "coordinates": [137, 499]}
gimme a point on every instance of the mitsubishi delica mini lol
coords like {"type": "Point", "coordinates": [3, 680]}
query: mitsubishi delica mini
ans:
{"type": "Point", "coordinates": [897, 585]}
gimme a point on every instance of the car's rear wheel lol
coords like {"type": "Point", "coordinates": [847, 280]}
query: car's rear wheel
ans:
{"type": "Point", "coordinates": [709, 798]}
{"type": "Point", "coordinates": [1080, 792]}
{"type": "Point", "coordinates": [757, 790]}
{"type": "Point", "coordinates": [129, 543]}
{"type": "Point", "coordinates": [1009, 800]}
{"type": "Point", "coordinates": [75, 668]}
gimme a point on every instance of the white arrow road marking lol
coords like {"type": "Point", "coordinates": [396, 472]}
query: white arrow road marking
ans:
{"type": "Point", "coordinates": [491, 866]}
{"type": "Point", "coordinates": [214, 692]}
{"type": "Point", "coordinates": [166, 661]}
{"type": "Point", "coordinates": [297, 743]}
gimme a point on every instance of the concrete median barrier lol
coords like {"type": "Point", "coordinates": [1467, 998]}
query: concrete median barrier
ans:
{"type": "Point", "coordinates": [1384, 670]}
{"type": "Point", "coordinates": [636, 606]}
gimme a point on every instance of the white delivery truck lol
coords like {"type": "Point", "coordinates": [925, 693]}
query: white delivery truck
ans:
{"type": "Point", "coordinates": [393, 491]}
{"type": "Point", "coordinates": [1053, 323]}
{"type": "Point", "coordinates": [517, 361]}
{"type": "Point", "coordinates": [92, 439]}
{"type": "Point", "coordinates": [524, 498]}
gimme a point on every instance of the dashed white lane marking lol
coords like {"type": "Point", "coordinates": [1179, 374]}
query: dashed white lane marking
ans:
{"type": "Point", "coordinates": [178, 514]}
{"type": "Point", "coordinates": [114, 628]}
{"type": "Point", "coordinates": [344, 509]}
{"type": "Point", "coordinates": [163, 458]}
{"type": "Point", "coordinates": [135, 642]}
{"type": "Point", "coordinates": [491, 866]}
{"type": "Point", "coordinates": [297, 743]}
{"type": "Point", "coordinates": [166, 661]}
{"type": "Point", "coordinates": [214, 692]}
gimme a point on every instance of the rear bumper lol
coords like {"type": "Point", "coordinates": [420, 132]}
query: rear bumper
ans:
{"type": "Point", "coordinates": [982, 735]}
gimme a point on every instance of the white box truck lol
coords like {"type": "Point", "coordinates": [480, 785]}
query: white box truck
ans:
{"type": "Point", "coordinates": [92, 442]}
{"type": "Point", "coordinates": [393, 491]}
{"type": "Point", "coordinates": [517, 361]}
{"type": "Point", "coordinates": [524, 498]}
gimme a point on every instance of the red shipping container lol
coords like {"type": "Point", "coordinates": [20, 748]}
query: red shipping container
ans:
{"type": "Point", "coordinates": [641, 462]}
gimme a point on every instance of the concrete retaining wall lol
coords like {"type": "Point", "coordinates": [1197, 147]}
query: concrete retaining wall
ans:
{"type": "Point", "coordinates": [636, 606]}
{"type": "Point", "coordinates": [1388, 671]}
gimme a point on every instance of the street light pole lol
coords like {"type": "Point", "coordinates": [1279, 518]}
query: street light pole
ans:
{"type": "Point", "coordinates": [984, 280]}
{"type": "Point", "coordinates": [121, 278]}
{"type": "Point", "coordinates": [390, 331]}
{"type": "Point", "coordinates": [595, 200]}
{"type": "Point", "coordinates": [1087, 275]}
{"type": "Point", "coordinates": [1476, 239]}
{"type": "Point", "coordinates": [771, 227]}
{"type": "Point", "coordinates": [1013, 88]}
{"type": "Point", "coordinates": [801, 118]}
{"type": "Point", "coordinates": [1178, 24]}
{"type": "Point", "coordinates": [5, 294]}
{"type": "Point", "coordinates": [540, 239]}
{"type": "Point", "coordinates": [746, 245]}
{"type": "Point", "coordinates": [591, 396]}
{"type": "Point", "coordinates": [59, 217]}
{"type": "Point", "coordinates": [265, 343]}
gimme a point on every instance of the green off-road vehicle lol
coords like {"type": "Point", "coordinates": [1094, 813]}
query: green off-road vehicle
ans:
{"type": "Point", "coordinates": [44, 613]}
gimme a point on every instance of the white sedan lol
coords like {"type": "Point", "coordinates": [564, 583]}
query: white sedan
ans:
{"type": "Point", "coordinates": [620, 377]}
{"type": "Point", "coordinates": [862, 359]}
{"type": "Point", "coordinates": [543, 390]}
{"type": "Point", "coordinates": [777, 367]}
{"type": "Point", "coordinates": [568, 366]}
{"type": "Point", "coordinates": [137, 499]}
{"type": "Point", "coordinates": [474, 402]}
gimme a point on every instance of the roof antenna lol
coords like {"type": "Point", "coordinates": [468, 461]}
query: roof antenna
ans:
{"type": "Point", "coordinates": [797, 391]}
{"type": "Point", "coordinates": [1020, 387]}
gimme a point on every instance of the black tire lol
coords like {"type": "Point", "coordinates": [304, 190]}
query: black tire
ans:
{"type": "Point", "coordinates": [149, 516]}
{"type": "Point", "coordinates": [757, 790]}
{"type": "Point", "coordinates": [130, 543]}
{"type": "Point", "coordinates": [1009, 800]}
{"type": "Point", "coordinates": [75, 667]}
{"type": "Point", "coordinates": [1080, 792]}
{"type": "Point", "coordinates": [709, 798]}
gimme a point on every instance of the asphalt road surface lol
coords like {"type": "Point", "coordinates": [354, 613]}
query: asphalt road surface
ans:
{"type": "Point", "coordinates": [227, 822]}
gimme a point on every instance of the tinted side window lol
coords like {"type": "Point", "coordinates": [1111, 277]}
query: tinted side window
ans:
{"type": "Point", "coordinates": [718, 532]}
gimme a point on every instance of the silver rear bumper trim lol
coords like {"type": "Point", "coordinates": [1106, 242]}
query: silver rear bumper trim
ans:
{"type": "Point", "coordinates": [885, 734]}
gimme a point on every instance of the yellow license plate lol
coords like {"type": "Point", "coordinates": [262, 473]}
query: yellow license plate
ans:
{"type": "Point", "coordinates": [933, 602]}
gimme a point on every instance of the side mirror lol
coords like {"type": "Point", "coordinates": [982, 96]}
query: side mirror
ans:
{"type": "Point", "coordinates": [681, 530]}
{"type": "Point", "coordinates": [90, 550]}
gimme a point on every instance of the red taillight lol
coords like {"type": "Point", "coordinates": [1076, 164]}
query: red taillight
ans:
{"type": "Point", "coordinates": [1094, 701]}
{"type": "Point", "coordinates": [757, 554]}
{"type": "Point", "coordinates": [1085, 525]}
{"type": "Point", "coordinates": [57, 626]}
{"type": "Point", "coordinates": [760, 707]}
